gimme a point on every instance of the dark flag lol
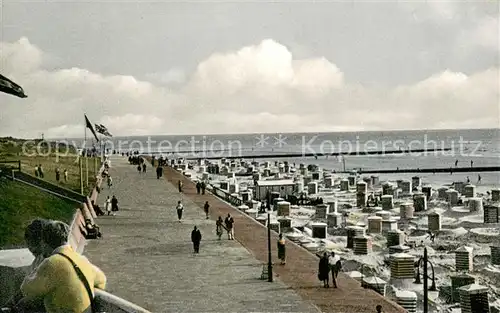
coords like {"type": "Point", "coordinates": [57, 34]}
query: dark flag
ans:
{"type": "Point", "coordinates": [101, 129]}
{"type": "Point", "coordinates": [8, 86]}
{"type": "Point", "coordinates": [89, 126]}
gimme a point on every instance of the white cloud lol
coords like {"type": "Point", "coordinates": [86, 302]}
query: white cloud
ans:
{"type": "Point", "coordinates": [255, 89]}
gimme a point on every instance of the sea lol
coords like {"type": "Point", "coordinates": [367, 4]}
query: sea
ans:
{"type": "Point", "coordinates": [479, 146]}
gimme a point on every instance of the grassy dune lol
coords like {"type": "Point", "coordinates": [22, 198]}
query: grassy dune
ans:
{"type": "Point", "coordinates": [19, 204]}
{"type": "Point", "coordinates": [50, 156]}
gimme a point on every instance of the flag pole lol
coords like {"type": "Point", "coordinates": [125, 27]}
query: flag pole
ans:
{"type": "Point", "coordinates": [95, 159]}
{"type": "Point", "coordinates": [81, 174]}
{"type": "Point", "coordinates": [86, 158]}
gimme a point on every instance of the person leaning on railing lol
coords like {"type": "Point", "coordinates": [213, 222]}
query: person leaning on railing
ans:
{"type": "Point", "coordinates": [57, 281]}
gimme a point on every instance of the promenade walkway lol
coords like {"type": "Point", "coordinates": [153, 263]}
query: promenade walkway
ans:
{"type": "Point", "coordinates": [147, 254]}
{"type": "Point", "coordinates": [300, 272]}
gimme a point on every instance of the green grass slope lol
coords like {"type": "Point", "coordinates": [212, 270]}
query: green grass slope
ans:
{"type": "Point", "coordinates": [19, 204]}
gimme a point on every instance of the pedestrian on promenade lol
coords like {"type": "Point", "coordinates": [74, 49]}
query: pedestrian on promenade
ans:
{"type": "Point", "coordinates": [139, 168]}
{"type": "Point", "coordinates": [110, 181]}
{"type": "Point", "coordinates": [65, 175]}
{"type": "Point", "coordinates": [36, 171]}
{"type": "Point", "coordinates": [198, 187]}
{"type": "Point", "coordinates": [40, 171]}
{"type": "Point", "coordinates": [114, 204]}
{"type": "Point", "coordinates": [107, 205]}
{"type": "Point", "coordinates": [144, 167]}
{"type": "Point", "coordinates": [471, 163]}
{"type": "Point", "coordinates": [58, 174]}
{"type": "Point", "coordinates": [379, 308]}
{"type": "Point", "coordinates": [180, 185]}
{"type": "Point", "coordinates": [334, 264]}
{"type": "Point", "coordinates": [324, 270]}
{"type": "Point", "coordinates": [229, 226]}
{"type": "Point", "coordinates": [203, 187]}
{"type": "Point", "coordinates": [159, 172]}
{"type": "Point", "coordinates": [180, 209]}
{"type": "Point", "coordinates": [219, 227]}
{"type": "Point", "coordinates": [196, 239]}
{"type": "Point", "coordinates": [206, 207]}
{"type": "Point", "coordinates": [281, 249]}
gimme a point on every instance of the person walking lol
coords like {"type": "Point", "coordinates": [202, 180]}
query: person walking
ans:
{"type": "Point", "coordinates": [198, 187]}
{"type": "Point", "coordinates": [40, 171]}
{"type": "Point", "coordinates": [219, 227]}
{"type": "Point", "coordinates": [144, 167]}
{"type": "Point", "coordinates": [159, 172]}
{"type": "Point", "coordinates": [107, 205]}
{"type": "Point", "coordinates": [110, 181]}
{"type": "Point", "coordinates": [281, 249]}
{"type": "Point", "coordinates": [180, 209]}
{"type": "Point", "coordinates": [179, 184]}
{"type": "Point", "coordinates": [114, 204]}
{"type": "Point", "coordinates": [65, 175]}
{"type": "Point", "coordinates": [334, 264]}
{"type": "Point", "coordinates": [196, 239]}
{"type": "Point", "coordinates": [229, 226]}
{"type": "Point", "coordinates": [206, 207]}
{"type": "Point", "coordinates": [324, 270]}
{"type": "Point", "coordinates": [58, 174]}
{"type": "Point", "coordinates": [203, 187]}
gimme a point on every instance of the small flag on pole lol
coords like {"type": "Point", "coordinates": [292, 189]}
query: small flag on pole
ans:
{"type": "Point", "coordinates": [89, 126]}
{"type": "Point", "coordinates": [101, 129]}
{"type": "Point", "coordinates": [8, 86]}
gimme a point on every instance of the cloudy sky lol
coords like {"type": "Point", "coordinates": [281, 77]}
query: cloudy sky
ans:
{"type": "Point", "coordinates": [153, 67]}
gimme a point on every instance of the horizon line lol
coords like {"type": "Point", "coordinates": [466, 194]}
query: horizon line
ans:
{"type": "Point", "coordinates": [265, 133]}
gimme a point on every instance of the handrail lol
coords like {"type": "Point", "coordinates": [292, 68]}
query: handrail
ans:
{"type": "Point", "coordinates": [226, 196]}
{"type": "Point", "coordinates": [47, 190]}
{"type": "Point", "coordinates": [110, 302]}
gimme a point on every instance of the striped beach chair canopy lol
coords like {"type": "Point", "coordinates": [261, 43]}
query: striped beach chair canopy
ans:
{"type": "Point", "coordinates": [8, 86]}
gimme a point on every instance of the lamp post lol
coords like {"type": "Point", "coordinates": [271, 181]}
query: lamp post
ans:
{"type": "Point", "coordinates": [269, 256]}
{"type": "Point", "coordinates": [426, 261]}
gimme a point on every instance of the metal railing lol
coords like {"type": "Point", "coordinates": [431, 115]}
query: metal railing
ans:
{"type": "Point", "coordinates": [226, 196]}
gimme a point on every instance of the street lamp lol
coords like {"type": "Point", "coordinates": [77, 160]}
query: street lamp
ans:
{"type": "Point", "coordinates": [425, 261]}
{"type": "Point", "coordinates": [269, 256]}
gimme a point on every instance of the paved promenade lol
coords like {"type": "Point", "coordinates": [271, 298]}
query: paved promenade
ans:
{"type": "Point", "coordinates": [147, 254]}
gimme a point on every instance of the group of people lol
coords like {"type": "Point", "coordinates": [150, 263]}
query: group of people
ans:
{"type": "Point", "coordinates": [110, 205]}
{"type": "Point", "coordinates": [41, 174]}
{"type": "Point", "coordinates": [201, 186]}
{"type": "Point", "coordinates": [329, 263]}
{"type": "Point", "coordinates": [58, 174]}
{"type": "Point", "coordinates": [58, 277]}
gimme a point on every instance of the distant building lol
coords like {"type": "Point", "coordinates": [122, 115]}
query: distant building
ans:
{"type": "Point", "coordinates": [285, 187]}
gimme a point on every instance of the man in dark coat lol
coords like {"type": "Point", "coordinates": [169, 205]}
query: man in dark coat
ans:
{"type": "Point", "coordinates": [198, 187]}
{"type": "Point", "coordinates": [159, 172]}
{"type": "Point", "coordinates": [196, 239]}
{"type": "Point", "coordinates": [114, 204]}
{"type": "Point", "coordinates": [206, 207]}
{"type": "Point", "coordinates": [324, 270]}
{"type": "Point", "coordinates": [203, 187]}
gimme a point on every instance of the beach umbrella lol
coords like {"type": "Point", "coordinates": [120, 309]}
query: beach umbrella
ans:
{"type": "Point", "coordinates": [8, 86]}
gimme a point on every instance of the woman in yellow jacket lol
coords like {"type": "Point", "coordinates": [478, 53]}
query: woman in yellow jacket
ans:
{"type": "Point", "coordinates": [56, 281]}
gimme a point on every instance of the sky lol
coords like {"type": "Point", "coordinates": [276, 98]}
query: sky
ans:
{"type": "Point", "coordinates": [214, 67]}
